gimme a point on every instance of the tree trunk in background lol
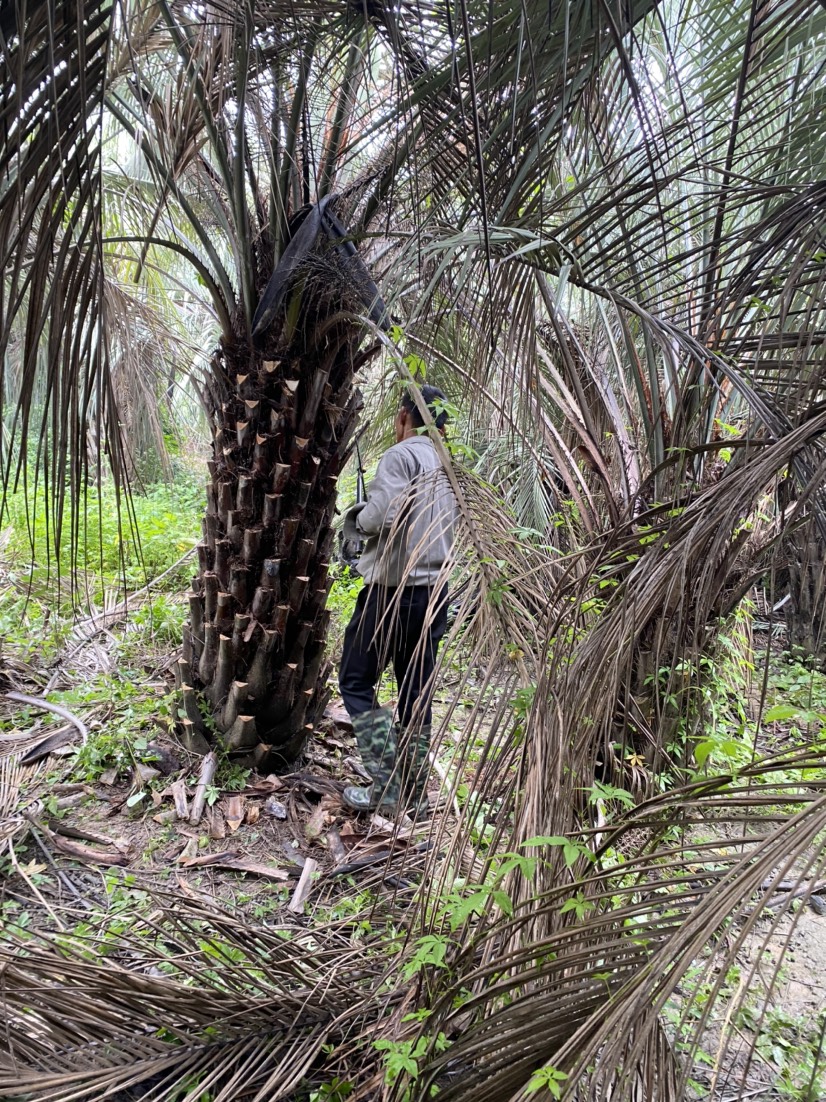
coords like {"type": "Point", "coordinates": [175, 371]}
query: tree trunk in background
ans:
{"type": "Point", "coordinates": [805, 610]}
{"type": "Point", "coordinates": [283, 417]}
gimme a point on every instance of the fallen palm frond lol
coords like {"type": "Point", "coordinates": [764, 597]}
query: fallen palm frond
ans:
{"type": "Point", "coordinates": [608, 232]}
{"type": "Point", "coordinates": [611, 966]}
{"type": "Point", "coordinates": [195, 996]}
{"type": "Point", "coordinates": [557, 953]}
{"type": "Point", "coordinates": [190, 1000]}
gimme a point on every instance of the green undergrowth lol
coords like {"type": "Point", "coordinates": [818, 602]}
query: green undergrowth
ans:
{"type": "Point", "coordinates": [342, 602]}
{"type": "Point", "coordinates": [797, 695]}
{"type": "Point", "coordinates": [737, 704]}
{"type": "Point", "coordinates": [42, 620]}
{"type": "Point", "coordinates": [40, 606]}
{"type": "Point", "coordinates": [120, 544]}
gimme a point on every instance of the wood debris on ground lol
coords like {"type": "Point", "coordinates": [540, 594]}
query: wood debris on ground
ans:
{"type": "Point", "coordinates": [199, 829]}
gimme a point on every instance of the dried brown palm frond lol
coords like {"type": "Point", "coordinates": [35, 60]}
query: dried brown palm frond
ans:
{"type": "Point", "coordinates": [570, 967]}
{"type": "Point", "coordinates": [54, 69]}
{"type": "Point", "coordinates": [576, 978]}
{"type": "Point", "coordinates": [191, 1001]}
{"type": "Point", "coordinates": [587, 997]}
{"type": "Point", "coordinates": [145, 354]}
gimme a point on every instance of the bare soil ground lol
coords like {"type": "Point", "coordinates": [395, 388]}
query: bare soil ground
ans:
{"type": "Point", "coordinates": [763, 1040]}
{"type": "Point", "coordinates": [248, 849]}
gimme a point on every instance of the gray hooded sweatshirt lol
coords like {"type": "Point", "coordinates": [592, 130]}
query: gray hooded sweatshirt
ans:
{"type": "Point", "coordinates": [408, 519]}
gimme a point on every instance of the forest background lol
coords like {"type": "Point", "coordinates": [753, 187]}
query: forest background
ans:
{"type": "Point", "coordinates": [600, 229]}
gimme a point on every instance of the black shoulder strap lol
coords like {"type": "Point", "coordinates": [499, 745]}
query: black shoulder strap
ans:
{"type": "Point", "coordinates": [361, 494]}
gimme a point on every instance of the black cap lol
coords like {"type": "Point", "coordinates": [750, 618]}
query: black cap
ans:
{"type": "Point", "coordinates": [434, 399]}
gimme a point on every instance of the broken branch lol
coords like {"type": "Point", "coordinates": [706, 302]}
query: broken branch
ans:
{"type": "Point", "coordinates": [205, 778]}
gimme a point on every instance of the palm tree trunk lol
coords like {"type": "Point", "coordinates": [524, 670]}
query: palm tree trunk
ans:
{"type": "Point", "coordinates": [283, 418]}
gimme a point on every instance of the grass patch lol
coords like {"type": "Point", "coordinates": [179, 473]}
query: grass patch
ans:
{"type": "Point", "coordinates": [109, 553]}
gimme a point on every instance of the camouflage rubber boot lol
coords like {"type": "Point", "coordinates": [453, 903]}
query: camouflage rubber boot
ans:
{"type": "Point", "coordinates": [376, 739]}
{"type": "Point", "coordinates": [415, 770]}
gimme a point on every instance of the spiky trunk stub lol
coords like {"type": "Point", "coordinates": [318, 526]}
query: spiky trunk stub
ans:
{"type": "Point", "coordinates": [283, 421]}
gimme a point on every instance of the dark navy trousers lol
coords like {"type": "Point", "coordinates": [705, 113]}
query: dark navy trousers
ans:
{"type": "Point", "coordinates": [403, 626]}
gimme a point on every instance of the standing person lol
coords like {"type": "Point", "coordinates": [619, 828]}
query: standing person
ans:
{"type": "Point", "coordinates": [408, 523]}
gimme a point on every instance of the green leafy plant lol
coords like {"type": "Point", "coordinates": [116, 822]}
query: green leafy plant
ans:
{"type": "Point", "coordinates": [401, 1058]}
{"type": "Point", "coordinates": [337, 1090]}
{"type": "Point", "coordinates": [548, 1079]}
{"type": "Point", "coordinates": [430, 951]}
